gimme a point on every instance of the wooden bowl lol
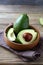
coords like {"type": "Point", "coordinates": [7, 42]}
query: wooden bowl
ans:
{"type": "Point", "coordinates": [18, 46]}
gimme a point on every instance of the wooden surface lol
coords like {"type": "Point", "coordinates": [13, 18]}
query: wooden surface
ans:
{"type": "Point", "coordinates": [8, 14]}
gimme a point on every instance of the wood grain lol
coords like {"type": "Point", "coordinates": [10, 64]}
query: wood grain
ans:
{"type": "Point", "coordinates": [21, 9]}
{"type": "Point", "coordinates": [9, 14]}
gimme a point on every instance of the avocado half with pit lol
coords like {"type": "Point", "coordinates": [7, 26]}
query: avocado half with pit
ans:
{"type": "Point", "coordinates": [21, 23]}
{"type": "Point", "coordinates": [27, 36]}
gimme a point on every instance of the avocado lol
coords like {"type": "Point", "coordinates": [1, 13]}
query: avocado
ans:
{"type": "Point", "coordinates": [21, 23]}
{"type": "Point", "coordinates": [30, 31]}
{"type": "Point", "coordinates": [41, 21]}
{"type": "Point", "coordinates": [10, 35]}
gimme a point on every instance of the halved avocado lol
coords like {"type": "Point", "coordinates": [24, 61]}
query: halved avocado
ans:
{"type": "Point", "coordinates": [30, 31]}
{"type": "Point", "coordinates": [10, 34]}
{"type": "Point", "coordinates": [21, 23]}
{"type": "Point", "coordinates": [41, 21]}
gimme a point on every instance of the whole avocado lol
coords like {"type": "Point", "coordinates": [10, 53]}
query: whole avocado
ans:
{"type": "Point", "coordinates": [21, 23]}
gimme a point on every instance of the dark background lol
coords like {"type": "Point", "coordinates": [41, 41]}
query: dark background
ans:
{"type": "Point", "coordinates": [21, 2]}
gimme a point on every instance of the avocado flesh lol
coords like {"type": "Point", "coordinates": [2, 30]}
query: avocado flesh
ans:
{"type": "Point", "coordinates": [10, 34]}
{"type": "Point", "coordinates": [21, 23]}
{"type": "Point", "coordinates": [22, 40]}
{"type": "Point", "coordinates": [41, 21]}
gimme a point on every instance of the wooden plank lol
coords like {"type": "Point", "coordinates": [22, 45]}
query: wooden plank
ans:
{"type": "Point", "coordinates": [9, 14]}
{"type": "Point", "coordinates": [21, 9]}
{"type": "Point", "coordinates": [6, 18]}
{"type": "Point", "coordinates": [9, 58]}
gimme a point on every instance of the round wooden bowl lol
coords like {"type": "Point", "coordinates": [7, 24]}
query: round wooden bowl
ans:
{"type": "Point", "coordinates": [18, 46]}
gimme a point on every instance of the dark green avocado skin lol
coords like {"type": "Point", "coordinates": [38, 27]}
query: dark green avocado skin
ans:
{"type": "Point", "coordinates": [21, 23]}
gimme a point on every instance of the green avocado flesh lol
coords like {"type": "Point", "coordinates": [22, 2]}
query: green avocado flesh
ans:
{"type": "Point", "coordinates": [21, 23]}
{"type": "Point", "coordinates": [10, 35]}
{"type": "Point", "coordinates": [22, 40]}
{"type": "Point", "coordinates": [41, 21]}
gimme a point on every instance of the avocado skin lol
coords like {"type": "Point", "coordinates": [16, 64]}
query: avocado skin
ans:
{"type": "Point", "coordinates": [21, 23]}
{"type": "Point", "coordinates": [17, 41]}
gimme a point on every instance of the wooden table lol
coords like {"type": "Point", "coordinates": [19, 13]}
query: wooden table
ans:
{"type": "Point", "coordinates": [9, 14]}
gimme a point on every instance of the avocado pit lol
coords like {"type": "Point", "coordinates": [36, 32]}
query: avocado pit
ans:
{"type": "Point", "coordinates": [27, 36]}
